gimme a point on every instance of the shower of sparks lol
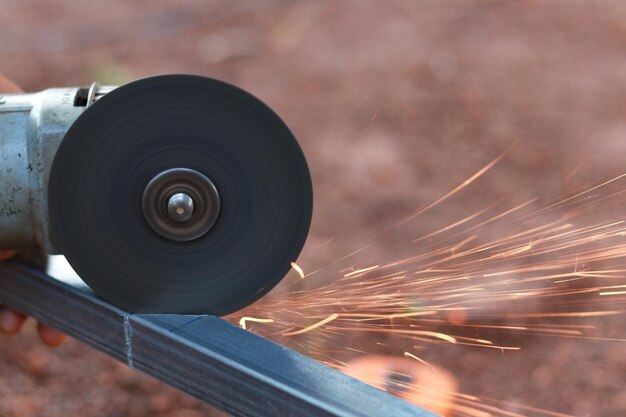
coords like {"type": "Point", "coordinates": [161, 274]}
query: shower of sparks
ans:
{"type": "Point", "coordinates": [547, 269]}
{"type": "Point", "coordinates": [297, 268]}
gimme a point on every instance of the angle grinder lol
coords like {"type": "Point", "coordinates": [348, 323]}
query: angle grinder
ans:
{"type": "Point", "coordinates": [170, 194]}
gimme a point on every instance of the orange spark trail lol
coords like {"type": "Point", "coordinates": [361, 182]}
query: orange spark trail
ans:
{"type": "Point", "coordinates": [458, 188]}
{"type": "Point", "coordinates": [297, 268]}
{"type": "Point", "coordinates": [420, 360]}
{"type": "Point", "coordinates": [313, 326]}
{"type": "Point", "coordinates": [360, 271]}
{"type": "Point", "coordinates": [243, 320]}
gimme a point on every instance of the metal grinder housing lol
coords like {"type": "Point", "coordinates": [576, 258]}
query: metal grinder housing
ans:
{"type": "Point", "coordinates": [170, 194]}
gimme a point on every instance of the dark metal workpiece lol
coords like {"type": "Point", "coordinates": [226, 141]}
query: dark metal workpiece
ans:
{"type": "Point", "coordinates": [204, 356]}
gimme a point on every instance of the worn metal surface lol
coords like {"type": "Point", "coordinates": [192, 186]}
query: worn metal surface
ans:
{"type": "Point", "coordinates": [221, 364]}
{"type": "Point", "coordinates": [31, 128]}
{"type": "Point", "coordinates": [16, 219]}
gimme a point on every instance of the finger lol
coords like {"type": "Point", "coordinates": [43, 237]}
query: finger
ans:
{"type": "Point", "coordinates": [50, 336]}
{"type": "Point", "coordinates": [11, 321]}
{"type": "Point", "coordinates": [7, 86]}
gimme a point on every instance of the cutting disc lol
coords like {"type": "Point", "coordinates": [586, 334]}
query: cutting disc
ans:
{"type": "Point", "coordinates": [180, 194]}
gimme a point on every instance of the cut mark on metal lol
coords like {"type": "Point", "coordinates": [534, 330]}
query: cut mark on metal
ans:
{"type": "Point", "coordinates": [128, 338]}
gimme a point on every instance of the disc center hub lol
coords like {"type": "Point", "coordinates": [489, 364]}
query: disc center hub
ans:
{"type": "Point", "coordinates": [181, 204]}
{"type": "Point", "coordinates": [180, 207]}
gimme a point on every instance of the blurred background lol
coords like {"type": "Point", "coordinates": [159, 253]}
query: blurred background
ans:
{"type": "Point", "coordinates": [394, 103]}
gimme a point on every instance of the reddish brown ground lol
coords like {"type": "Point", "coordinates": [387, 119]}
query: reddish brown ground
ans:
{"type": "Point", "coordinates": [451, 84]}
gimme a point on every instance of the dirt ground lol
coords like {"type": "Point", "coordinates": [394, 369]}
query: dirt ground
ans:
{"type": "Point", "coordinates": [394, 103]}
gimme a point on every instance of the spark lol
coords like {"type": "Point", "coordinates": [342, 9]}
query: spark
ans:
{"type": "Point", "coordinates": [436, 335]}
{"type": "Point", "coordinates": [313, 326]}
{"type": "Point", "coordinates": [574, 171]}
{"type": "Point", "coordinates": [582, 193]}
{"type": "Point", "coordinates": [243, 320]}
{"type": "Point", "coordinates": [297, 268]}
{"type": "Point", "coordinates": [420, 360]}
{"type": "Point", "coordinates": [374, 115]}
{"type": "Point", "coordinates": [361, 271]}
{"type": "Point", "coordinates": [458, 188]}
{"type": "Point", "coordinates": [491, 346]}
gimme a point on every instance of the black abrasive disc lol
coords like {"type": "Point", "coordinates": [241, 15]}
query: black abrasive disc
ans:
{"type": "Point", "coordinates": [231, 143]}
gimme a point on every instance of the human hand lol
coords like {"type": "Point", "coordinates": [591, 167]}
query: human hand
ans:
{"type": "Point", "coordinates": [11, 321]}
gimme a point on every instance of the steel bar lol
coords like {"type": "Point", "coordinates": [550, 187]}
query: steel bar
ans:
{"type": "Point", "coordinates": [204, 356]}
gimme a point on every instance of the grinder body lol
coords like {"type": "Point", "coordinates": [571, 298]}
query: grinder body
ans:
{"type": "Point", "coordinates": [32, 127]}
